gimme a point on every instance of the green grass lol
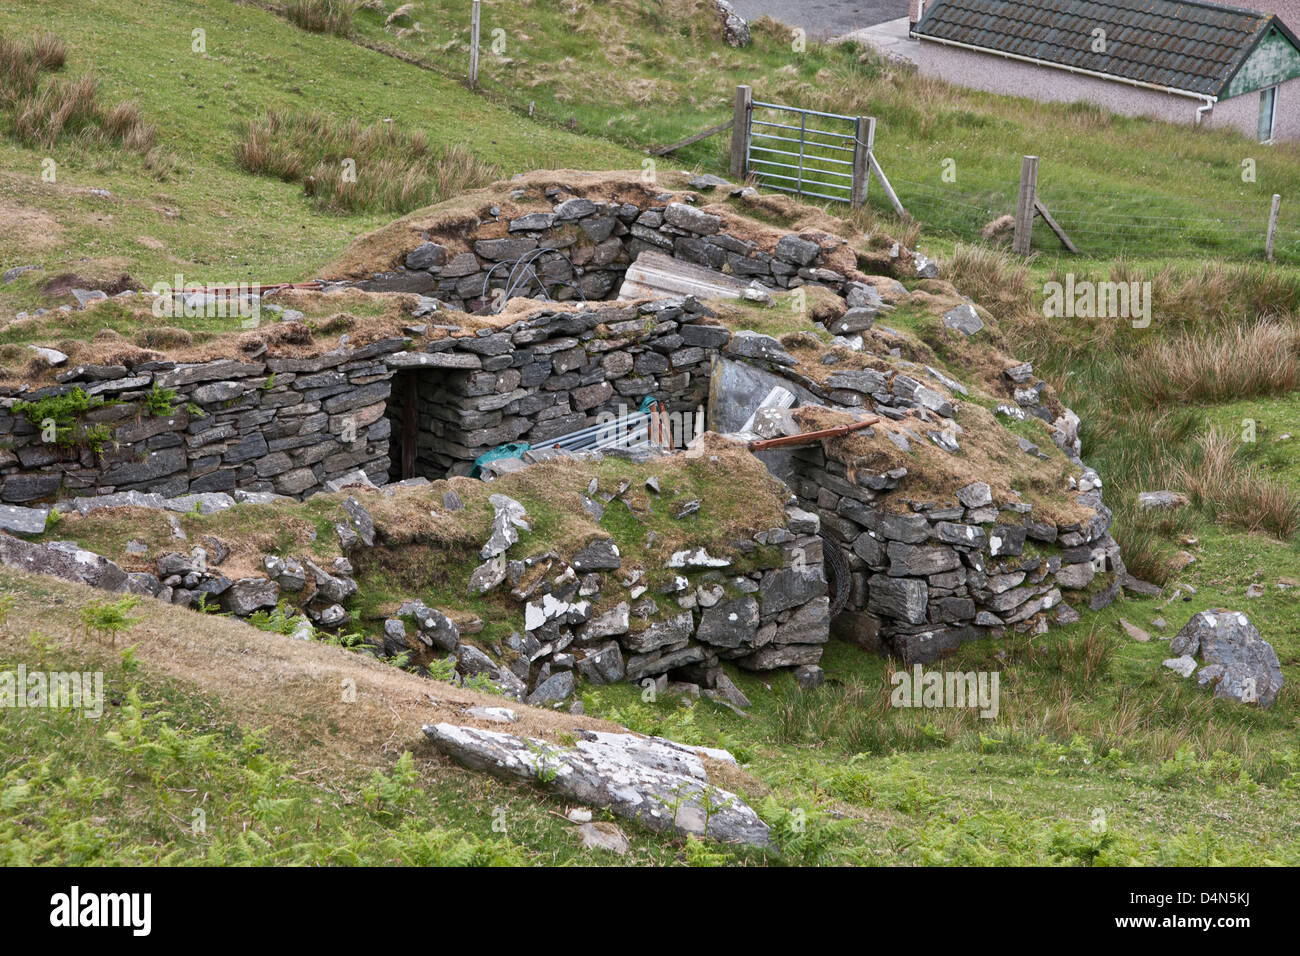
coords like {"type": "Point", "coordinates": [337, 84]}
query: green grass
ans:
{"type": "Point", "coordinates": [1090, 719]}
{"type": "Point", "coordinates": [883, 786]}
{"type": "Point", "coordinates": [1275, 425]}
{"type": "Point", "coordinates": [208, 220]}
{"type": "Point", "coordinates": [1116, 183]}
{"type": "Point", "coordinates": [168, 777]}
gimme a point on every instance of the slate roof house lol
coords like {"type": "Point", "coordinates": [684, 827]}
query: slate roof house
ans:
{"type": "Point", "coordinates": [1186, 62]}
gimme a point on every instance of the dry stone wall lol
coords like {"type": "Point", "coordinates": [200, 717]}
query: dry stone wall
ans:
{"type": "Point", "coordinates": [582, 249]}
{"type": "Point", "coordinates": [296, 426]}
{"type": "Point", "coordinates": [921, 576]}
{"type": "Point", "coordinates": [927, 576]}
{"type": "Point", "coordinates": [282, 425]}
{"type": "Point", "coordinates": [762, 605]}
{"type": "Point", "coordinates": [554, 373]}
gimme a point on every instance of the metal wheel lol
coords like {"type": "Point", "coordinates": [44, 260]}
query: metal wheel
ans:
{"type": "Point", "coordinates": [838, 578]}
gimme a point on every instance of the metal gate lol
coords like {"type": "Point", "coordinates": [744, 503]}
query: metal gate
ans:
{"type": "Point", "coordinates": [806, 152]}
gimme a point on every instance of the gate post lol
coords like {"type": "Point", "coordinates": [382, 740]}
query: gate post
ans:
{"type": "Point", "coordinates": [475, 19]}
{"type": "Point", "coordinates": [863, 142]}
{"type": "Point", "coordinates": [1272, 226]}
{"type": "Point", "coordinates": [1020, 244]}
{"type": "Point", "coordinates": [740, 133]}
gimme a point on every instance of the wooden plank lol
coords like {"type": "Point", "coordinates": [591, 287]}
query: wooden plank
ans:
{"type": "Point", "coordinates": [740, 132]}
{"type": "Point", "coordinates": [863, 143]}
{"type": "Point", "coordinates": [410, 423]}
{"type": "Point", "coordinates": [1028, 194]}
{"type": "Point", "coordinates": [1272, 226]}
{"type": "Point", "coordinates": [889, 190]}
{"type": "Point", "coordinates": [692, 140]}
{"type": "Point", "coordinates": [1053, 225]}
{"type": "Point", "coordinates": [655, 275]}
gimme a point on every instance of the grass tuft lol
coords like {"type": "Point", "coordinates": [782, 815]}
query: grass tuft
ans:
{"type": "Point", "coordinates": [1222, 482]}
{"type": "Point", "coordinates": [45, 111]}
{"type": "Point", "coordinates": [348, 167]}
{"type": "Point", "coordinates": [322, 16]}
{"type": "Point", "coordinates": [1245, 361]}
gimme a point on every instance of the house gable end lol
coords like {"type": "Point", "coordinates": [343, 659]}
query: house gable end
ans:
{"type": "Point", "coordinates": [1275, 59]}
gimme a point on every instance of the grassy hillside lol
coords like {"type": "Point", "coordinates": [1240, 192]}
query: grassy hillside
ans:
{"type": "Point", "coordinates": [189, 208]}
{"type": "Point", "coordinates": [222, 744]}
{"type": "Point", "coordinates": [190, 205]}
{"type": "Point", "coordinates": [1118, 184]}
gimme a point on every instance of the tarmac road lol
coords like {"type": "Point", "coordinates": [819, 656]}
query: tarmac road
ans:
{"type": "Point", "coordinates": [822, 18]}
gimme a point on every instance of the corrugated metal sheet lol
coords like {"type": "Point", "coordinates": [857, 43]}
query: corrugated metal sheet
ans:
{"type": "Point", "coordinates": [1188, 46]}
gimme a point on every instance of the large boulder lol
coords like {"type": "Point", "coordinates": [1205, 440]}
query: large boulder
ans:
{"type": "Point", "coordinates": [63, 559]}
{"type": "Point", "coordinates": [734, 28]}
{"type": "Point", "coordinates": [247, 595]}
{"type": "Point", "coordinates": [657, 782]}
{"type": "Point", "coordinates": [1236, 661]}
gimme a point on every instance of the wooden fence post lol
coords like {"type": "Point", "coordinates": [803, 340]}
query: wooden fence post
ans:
{"type": "Point", "coordinates": [1025, 205]}
{"type": "Point", "coordinates": [864, 142]}
{"type": "Point", "coordinates": [740, 132]}
{"type": "Point", "coordinates": [1272, 226]}
{"type": "Point", "coordinates": [475, 20]}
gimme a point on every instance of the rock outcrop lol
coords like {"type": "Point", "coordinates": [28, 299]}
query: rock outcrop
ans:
{"type": "Point", "coordinates": [656, 782]}
{"type": "Point", "coordinates": [1235, 661]}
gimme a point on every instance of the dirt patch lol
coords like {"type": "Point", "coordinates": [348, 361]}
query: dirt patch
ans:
{"type": "Point", "coordinates": [63, 283]}
{"type": "Point", "coordinates": [28, 229]}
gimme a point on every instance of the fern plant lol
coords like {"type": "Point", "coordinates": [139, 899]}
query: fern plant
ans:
{"type": "Point", "coordinates": [110, 618]}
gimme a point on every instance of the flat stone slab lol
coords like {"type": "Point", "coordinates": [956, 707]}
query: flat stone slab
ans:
{"type": "Point", "coordinates": [656, 275]}
{"type": "Point", "coordinates": [402, 360]}
{"type": "Point", "coordinates": [648, 779]}
{"type": "Point", "coordinates": [18, 520]}
{"type": "Point", "coordinates": [122, 499]}
{"type": "Point", "coordinates": [206, 502]}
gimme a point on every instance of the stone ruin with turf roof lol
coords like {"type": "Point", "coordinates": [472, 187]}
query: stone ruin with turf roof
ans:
{"type": "Point", "coordinates": [872, 556]}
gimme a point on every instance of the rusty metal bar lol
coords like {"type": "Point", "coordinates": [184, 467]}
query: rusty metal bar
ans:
{"type": "Point", "coordinates": [807, 438]}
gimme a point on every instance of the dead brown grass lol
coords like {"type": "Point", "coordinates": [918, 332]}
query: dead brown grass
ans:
{"type": "Point", "coordinates": [321, 16]}
{"type": "Point", "coordinates": [1221, 482]}
{"type": "Point", "coordinates": [273, 681]}
{"type": "Point", "coordinates": [44, 111]}
{"type": "Point", "coordinates": [988, 453]}
{"type": "Point", "coordinates": [414, 516]}
{"type": "Point", "coordinates": [1244, 361]}
{"type": "Point", "coordinates": [991, 277]}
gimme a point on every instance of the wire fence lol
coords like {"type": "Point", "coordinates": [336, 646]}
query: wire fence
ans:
{"type": "Point", "coordinates": [1102, 225]}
